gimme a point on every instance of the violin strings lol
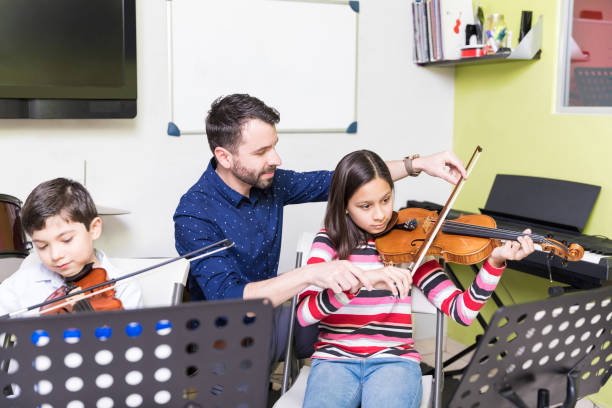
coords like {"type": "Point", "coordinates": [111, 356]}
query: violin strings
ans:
{"type": "Point", "coordinates": [479, 228]}
{"type": "Point", "coordinates": [500, 233]}
{"type": "Point", "coordinates": [497, 231]}
{"type": "Point", "coordinates": [504, 234]}
{"type": "Point", "coordinates": [68, 301]}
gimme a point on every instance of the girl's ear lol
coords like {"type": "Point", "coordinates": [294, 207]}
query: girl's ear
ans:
{"type": "Point", "coordinates": [95, 228]}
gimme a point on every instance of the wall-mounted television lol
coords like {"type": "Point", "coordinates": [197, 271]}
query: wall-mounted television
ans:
{"type": "Point", "coordinates": [67, 59]}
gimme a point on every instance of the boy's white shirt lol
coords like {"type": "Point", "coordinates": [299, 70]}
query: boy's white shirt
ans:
{"type": "Point", "coordinates": [33, 282]}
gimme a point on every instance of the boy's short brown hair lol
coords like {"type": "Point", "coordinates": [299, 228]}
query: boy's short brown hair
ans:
{"type": "Point", "coordinates": [60, 196]}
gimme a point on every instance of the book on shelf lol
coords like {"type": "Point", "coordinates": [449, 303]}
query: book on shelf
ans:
{"type": "Point", "coordinates": [439, 28]}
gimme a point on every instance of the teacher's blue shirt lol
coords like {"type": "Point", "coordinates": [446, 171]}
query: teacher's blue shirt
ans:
{"type": "Point", "coordinates": [211, 211]}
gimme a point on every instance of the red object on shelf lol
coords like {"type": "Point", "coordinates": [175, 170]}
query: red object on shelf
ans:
{"type": "Point", "coordinates": [472, 51]}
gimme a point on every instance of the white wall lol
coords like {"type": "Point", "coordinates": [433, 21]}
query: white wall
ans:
{"type": "Point", "coordinates": [133, 164]}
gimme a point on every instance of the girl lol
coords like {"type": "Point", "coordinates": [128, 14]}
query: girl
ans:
{"type": "Point", "coordinates": [365, 352]}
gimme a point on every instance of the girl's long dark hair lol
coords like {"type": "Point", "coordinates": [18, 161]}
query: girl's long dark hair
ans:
{"type": "Point", "coordinates": [353, 171]}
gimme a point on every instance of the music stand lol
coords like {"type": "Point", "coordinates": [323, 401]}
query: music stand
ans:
{"type": "Point", "coordinates": [205, 354]}
{"type": "Point", "coordinates": [539, 346]}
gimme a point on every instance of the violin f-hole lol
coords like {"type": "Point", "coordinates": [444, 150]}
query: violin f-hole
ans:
{"type": "Point", "coordinates": [414, 241]}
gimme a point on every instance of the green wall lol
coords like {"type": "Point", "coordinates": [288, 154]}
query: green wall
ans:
{"type": "Point", "coordinates": [508, 109]}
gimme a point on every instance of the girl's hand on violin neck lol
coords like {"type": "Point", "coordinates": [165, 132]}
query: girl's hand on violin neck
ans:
{"type": "Point", "coordinates": [397, 280]}
{"type": "Point", "coordinates": [339, 276]}
{"type": "Point", "coordinates": [445, 165]}
{"type": "Point", "coordinates": [512, 250]}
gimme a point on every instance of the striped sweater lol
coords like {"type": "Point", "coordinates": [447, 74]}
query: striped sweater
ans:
{"type": "Point", "coordinates": [374, 323]}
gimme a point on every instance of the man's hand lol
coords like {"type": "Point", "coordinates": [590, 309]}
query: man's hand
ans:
{"type": "Point", "coordinates": [338, 276]}
{"type": "Point", "coordinates": [397, 280]}
{"type": "Point", "coordinates": [445, 165]}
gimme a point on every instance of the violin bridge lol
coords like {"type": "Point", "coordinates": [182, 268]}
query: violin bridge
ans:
{"type": "Point", "coordinates": [428, 224]}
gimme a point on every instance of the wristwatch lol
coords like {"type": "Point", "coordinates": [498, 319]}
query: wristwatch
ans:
{"type": "Point", "coordinates": [408, 164]}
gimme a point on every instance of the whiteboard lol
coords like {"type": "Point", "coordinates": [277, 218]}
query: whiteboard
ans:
{"type": "Point", "coordinates": [299, 57]}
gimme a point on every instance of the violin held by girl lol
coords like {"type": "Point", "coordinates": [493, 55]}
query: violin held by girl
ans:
{"type": "Point", "coordinates": [365, 353]}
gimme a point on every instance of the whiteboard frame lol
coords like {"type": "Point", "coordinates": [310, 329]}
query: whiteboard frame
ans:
{"type": "Point", "coordinates": [174, 130]}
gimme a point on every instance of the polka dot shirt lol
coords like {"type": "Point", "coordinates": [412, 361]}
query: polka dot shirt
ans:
{"type": "Point", "coordinates": [211, 211]}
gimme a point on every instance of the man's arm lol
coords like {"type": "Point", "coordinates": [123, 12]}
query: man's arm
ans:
{"type": "Point", "coordinates": [339, 276]}
{"type": "Point", "coordinates": [217, 275]}
{"type": "Point", "coordinates": [445, 165]}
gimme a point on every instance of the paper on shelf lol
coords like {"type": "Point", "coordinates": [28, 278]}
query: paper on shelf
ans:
{"type": "Point", "coordinates": [531, 43]}
{"type": "Point", "coordinates": [455, 15]}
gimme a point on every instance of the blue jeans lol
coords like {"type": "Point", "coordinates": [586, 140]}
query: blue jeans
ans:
{"type": "Point", "coordinates": [373, 382]}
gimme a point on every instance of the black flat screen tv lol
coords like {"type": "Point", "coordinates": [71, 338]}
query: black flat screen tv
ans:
{"type": "Point", "coordinates": [67, 59]}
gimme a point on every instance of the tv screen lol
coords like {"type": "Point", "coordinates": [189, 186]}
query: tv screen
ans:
{"type": "Point", "coordinates": [67, 59]}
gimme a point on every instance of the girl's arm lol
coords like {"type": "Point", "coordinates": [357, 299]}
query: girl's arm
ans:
{"type": "Point", "coordinates": [316, 304]}
{"type": "Point", "coordinates": [463, 307]}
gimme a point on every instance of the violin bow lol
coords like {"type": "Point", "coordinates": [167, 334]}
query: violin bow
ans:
{"type": "Point", "coordinates": [431, 235]}
{"type": "Point", "coordinates": [190, 256]}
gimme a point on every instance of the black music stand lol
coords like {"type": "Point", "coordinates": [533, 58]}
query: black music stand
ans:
{"type": "Point", "coordinates": [562, 345]}
{"type": "Point", "coordinates": [205, 354]}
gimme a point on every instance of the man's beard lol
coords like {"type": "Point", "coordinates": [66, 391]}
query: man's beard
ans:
{"type": "Point", "coordinates": [251, 178]}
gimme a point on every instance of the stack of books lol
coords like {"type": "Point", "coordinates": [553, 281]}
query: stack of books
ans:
{"type": "Point", "coordinates": [439, 28]}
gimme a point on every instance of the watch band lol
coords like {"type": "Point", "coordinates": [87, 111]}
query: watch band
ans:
{"type": "Point", "coordinates": [408, 165]}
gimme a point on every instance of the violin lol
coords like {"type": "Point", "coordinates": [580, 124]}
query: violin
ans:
{"type": "Point", "coordinates": [466, 240]}
{"type": "Point", "coordinates": [107, 285]}
{"type": "Point", "coordinates": [86, 278]}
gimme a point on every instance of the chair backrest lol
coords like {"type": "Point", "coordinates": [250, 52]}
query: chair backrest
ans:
{"type": "Point", "coordinates": [8, 265]}
{"type": "Point", "coordinates": [163, 286]}
{"type": "Point", "coordinates": [303, 247]}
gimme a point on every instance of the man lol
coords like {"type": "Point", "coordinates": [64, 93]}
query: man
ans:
{"type": "Point", "coordinates": [241, 196]}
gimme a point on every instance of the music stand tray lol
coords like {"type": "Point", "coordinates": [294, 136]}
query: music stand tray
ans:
{"type": "Point", "coordinates": [538, 346]}
{"type": "Point", "coordinates": [204, 354]}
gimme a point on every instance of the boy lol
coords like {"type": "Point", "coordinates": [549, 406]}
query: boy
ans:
{"type": "Point", "coordinates": [62, 220]}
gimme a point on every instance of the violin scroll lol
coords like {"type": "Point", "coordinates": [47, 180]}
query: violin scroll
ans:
{"type": "Point", "coordinates": [572, 253]}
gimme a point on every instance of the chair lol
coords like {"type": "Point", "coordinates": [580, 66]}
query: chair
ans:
{"type": "Point", "coordinates": [294, 396]}
{"type": "Point", "coordinates": [8, 265]}
{"type": "Point", "coordinates": [163, 286]}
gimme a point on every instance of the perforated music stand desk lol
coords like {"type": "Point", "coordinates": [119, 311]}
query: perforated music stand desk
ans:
{"type": "Point", "coordinates": [533, 346]}
{"type": "Point", "coordinates": [205, 354]}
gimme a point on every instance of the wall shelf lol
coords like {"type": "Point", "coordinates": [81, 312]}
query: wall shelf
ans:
{"type": "Point", "coordinates": [530, 48]}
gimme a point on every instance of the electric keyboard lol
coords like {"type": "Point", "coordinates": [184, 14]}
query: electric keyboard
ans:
{"type": "Point", "coordinates": [590, 272]}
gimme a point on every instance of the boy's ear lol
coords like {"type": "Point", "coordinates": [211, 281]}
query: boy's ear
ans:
{"type": "Point", "coordinates": [224, 157]}
{"type": "Point", "coordinates": [95, 228]}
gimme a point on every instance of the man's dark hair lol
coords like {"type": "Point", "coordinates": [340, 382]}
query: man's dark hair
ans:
{"type": "Point", "coordinates": [60, 196]}
{"type": "Point", "coordinates": [229, 113]}
{"type": "Point", "coordinates": [353, 171]}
